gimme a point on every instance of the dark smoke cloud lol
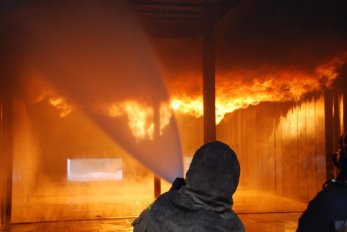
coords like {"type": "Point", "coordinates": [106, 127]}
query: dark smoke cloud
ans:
{"type": "Point", "coordinates": [280, 35]}
{"type": "Point", "coordinates": [287, 34]}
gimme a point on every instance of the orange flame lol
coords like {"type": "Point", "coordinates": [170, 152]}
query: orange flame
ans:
{"type": "Point", "coordinates": [61, 104]}
{"type": "Point", "coordinates": [188, 105]}
{"type": "Point", "coordinates": [140, 117]}
{"type": "Point", "coordinates": [58, 102]}
{"type": "Point", "coordinates": [233, 93]}
{"type": "Point", "coordinates": [329, 70]}
{"type": "Point", "coordinates": [230, 96]}
{"type": "Point", "coordinates": [38, 90]}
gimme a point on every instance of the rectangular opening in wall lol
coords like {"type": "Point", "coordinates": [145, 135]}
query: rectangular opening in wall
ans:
{"type": "Point", "coordinates": [97, 169]}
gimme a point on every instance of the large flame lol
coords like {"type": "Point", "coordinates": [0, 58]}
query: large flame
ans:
{"type": "Point", "coordinates": [232, 93]}
{"type": "Point", "coordinates": [188, 105]}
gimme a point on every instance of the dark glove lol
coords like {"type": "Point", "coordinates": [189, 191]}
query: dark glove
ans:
{"type": "Point", "coordinates": [178, 183]}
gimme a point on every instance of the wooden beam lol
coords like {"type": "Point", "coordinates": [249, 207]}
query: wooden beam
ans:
{"type": "Point", "coordinates": [344, 111]}
{"type": "Point", "coordinates": [329, 143]}
{"type": "Point", "coordinates": [6, 158]}
{"type": "Point", "coordinates": [208, 63]}
{"type": "Point", "coordinates": [156, 122]}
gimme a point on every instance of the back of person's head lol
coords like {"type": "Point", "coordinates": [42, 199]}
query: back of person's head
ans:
{"type": "Point", "coordinates": [214, 173]}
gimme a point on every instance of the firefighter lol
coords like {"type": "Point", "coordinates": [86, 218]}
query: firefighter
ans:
{"type": "Point", "coordinates": [203, 203]}
{"type": "Point", "coordinates": [328, 210]}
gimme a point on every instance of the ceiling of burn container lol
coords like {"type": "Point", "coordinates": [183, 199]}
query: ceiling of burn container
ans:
{"type": "Point", "coordinates": [181, 17]}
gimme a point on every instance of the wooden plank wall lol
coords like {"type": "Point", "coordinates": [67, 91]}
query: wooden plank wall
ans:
{"type": "Point", "coordinates": [281, 146]}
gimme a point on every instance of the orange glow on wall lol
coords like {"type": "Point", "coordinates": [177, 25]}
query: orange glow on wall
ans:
{"type": "Point", "coordinates": [341, 111]}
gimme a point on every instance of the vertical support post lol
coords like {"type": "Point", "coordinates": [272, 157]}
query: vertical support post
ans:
{"type": "Point", "coordinates": [156, 122]}
{"type": "Point", "coordinates": [6, 157]}
{"type": "Point", "coordinates": [344, 98]}
{"type": "Point", "coordinates": [329, 146]}
{"type": "Point", "coordinates": [336, 117]}
{"type": "Point", "coordinates": [336, 121]}
{"type": "Point", "coordinates": [208, 63]}
{"type": "Point", "coordinates": [2, 165]}
{"type": "Point", "coordinates": [8, 75]}
{"type": "Point", "coordinates": [336, 127]}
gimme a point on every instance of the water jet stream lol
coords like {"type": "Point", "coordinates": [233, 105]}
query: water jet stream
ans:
{"type": "Point", "coordinates": [95, 55]}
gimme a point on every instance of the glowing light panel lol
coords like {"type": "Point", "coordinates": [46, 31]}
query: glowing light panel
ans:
{"type": "Point", "coordinates": [98, 169]}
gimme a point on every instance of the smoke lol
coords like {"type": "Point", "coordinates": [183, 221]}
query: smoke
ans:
{"type": "Point", "coordinates": [94, 54]}
{"type": "Point", "coordinates": [288, 34]}
{"type": "Point", "coordinates": [279, 38]}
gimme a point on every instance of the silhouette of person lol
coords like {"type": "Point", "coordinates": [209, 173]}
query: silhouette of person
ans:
{"type": "Point", "coordinates": [328, 210]}
{"type": "Point", "coordinates": [203, 203]}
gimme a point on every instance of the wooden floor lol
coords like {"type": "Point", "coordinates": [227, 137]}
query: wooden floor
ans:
{"type": "Point", "coordinates": [259, 211]}
{"type": "Point", "coordinates": [261, 222]}
{"type": "Point", "coordinates": [52, 207]}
